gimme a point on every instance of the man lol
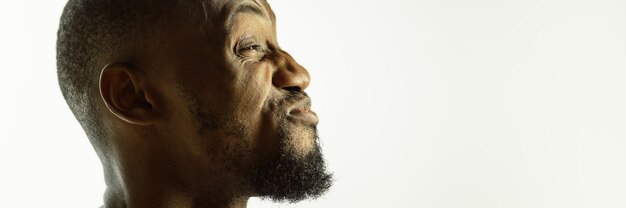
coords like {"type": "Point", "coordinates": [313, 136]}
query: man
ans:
{"type": "Point", "coordinates": [189, 103]}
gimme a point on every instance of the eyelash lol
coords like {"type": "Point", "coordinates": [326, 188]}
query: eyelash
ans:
{"type": "Point", "coordinates": [253, 47]}
{"type": "Point", "coordinates": [240, 51]}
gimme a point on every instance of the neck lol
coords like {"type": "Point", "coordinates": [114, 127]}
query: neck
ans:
{"type": "Point", "coordinates": [142, 178]}
{"type": "Point", "coordinates": [117, 198]}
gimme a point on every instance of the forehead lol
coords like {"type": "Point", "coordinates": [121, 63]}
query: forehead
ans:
{"type": "Point", "coordinates": [230, 10]}
{"type": "Point", "coordinates": [213, 17]}
{"type": "Point", "coordinates": [224, 12]}
{"type": "Point", "coordinates": [217, 21]}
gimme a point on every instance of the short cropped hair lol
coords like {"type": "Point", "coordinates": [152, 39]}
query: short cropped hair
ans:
{"type": "Point", "coordinates": [91, 34]}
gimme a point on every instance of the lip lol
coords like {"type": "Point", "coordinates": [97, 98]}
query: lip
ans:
{"type": "Point", "coordinates": [301, 112]}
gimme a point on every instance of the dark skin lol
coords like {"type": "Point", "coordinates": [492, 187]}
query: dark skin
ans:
{"type": "Point", "coordinates": [158, 155]}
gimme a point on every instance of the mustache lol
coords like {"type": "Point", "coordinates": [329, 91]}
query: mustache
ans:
{"type": "Point", "coordinates": [293, 97]}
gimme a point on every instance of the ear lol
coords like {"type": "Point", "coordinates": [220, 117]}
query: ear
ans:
{"type": "Point", "coordinates": [123, 94]}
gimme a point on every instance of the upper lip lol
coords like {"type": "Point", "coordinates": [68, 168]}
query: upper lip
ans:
{"type": "Point", "coordinates": [302, 104]}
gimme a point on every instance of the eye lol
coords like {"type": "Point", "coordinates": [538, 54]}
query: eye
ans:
{"type": "Point", "coordinates": [251, 51]}
{"type": "Point", "coordinates": [256, 48]}
{"type": "Point", "coordinates": [250, 48]}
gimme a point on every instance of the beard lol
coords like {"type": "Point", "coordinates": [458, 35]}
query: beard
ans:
{"type": "Point", "coordinates": [284, 175]}
{"type": "Point", "coordinates": [289, 177]}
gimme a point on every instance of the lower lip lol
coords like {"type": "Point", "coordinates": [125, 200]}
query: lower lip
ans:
{"type": "Point", "coordinates": [304, 116]}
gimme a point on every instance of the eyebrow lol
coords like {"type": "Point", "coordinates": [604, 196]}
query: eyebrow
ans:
{"type": "Point", "coordinates": [244, 8]}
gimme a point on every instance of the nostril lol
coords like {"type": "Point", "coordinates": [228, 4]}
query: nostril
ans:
{"type": "Point", "coordinates": [289, 75]}
{"type": "Point", "coordinates": [293, 89]}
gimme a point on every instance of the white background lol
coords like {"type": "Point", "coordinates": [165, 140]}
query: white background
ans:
{"type": "Point", "coordinates": [423, 103]}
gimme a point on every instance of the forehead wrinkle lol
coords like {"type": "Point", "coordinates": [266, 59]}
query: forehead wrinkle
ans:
{"type": "Point", "coordinates": [244, 7]}
{"type": "Point", "coordinates": [257, 3]}
{"type": "Point", "coordinates": [267, 8]}
{"type": "Point", "coordinates": [205, 10]}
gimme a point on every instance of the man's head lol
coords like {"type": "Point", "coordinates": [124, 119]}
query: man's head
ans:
{"type": "Point", "coordinates": [195, 91]}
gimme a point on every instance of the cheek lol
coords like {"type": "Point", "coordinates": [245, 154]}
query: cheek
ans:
{"type": "Point", "coordinates": [257, 87]}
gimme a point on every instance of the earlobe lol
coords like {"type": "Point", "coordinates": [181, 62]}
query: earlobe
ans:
{"type": "Point", "coordinates": [123, 94]}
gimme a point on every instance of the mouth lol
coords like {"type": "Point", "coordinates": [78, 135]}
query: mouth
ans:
{"type": "Point", "coordinates": [301, 112]}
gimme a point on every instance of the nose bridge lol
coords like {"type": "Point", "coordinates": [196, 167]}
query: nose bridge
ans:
{"type": "Point", "coordinates": [289, 74]}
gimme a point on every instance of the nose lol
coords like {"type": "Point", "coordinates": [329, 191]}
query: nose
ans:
{"type": "Point", "coordinates": [289, 74]}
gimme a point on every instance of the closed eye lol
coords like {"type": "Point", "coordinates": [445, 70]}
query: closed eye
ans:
{"type": "Point", "coordinates": [256, 52]}
{"type": "Point", "coordinates": [250, 48]}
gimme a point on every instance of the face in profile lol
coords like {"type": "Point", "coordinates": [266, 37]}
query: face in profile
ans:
{"type": "Point", "coordinates": [190, 102]}
{"type": "Point", "coordinates": [240, 99]}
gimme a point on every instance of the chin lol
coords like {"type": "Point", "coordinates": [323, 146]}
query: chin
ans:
{"type": "Point", "coordinates": [300, 141]}
{"type": "Point", "coordinates": [294, 173]}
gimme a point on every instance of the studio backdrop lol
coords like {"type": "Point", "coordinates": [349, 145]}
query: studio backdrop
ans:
{"type": "Point", "coordinates": [422, 103]}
